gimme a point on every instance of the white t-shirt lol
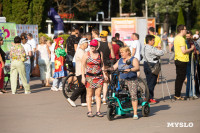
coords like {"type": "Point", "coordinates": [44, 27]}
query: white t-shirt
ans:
{"type": "Point", "coordinates": [27, 48]}
{"type": "Point", "coordinates": [129, 44]}
{"type": "Point", "coordinates": [43, 53]}
{"type": "Point", "coordinates": [137, 46]}
{"type": "Point", "coordinates": [52, 52]}
{"type": "Point", "coordinates": [32, 42]}
{"type": "Point", "coordinates": [171, 40]}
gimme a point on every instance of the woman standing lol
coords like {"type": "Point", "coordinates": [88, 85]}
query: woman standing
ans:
{"type": "Point", "coordinates": [129, 76]}
{"type": "Point", "coordinates": [43, 61]}
{"type": "Point", "coordinates": [18, 56]}
{"type": "Point", "coordinates": [2, 64]}
{"type": "Point", "coordinates": [93, 63]}
{"type": "Point", "coordinates": [151, 55]}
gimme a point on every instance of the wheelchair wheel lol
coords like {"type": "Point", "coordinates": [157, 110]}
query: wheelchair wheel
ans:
{"type": "Point", "coordinates": [143, 90]}
{"type": "Point", "coordinates": [111, 112]}
{"type": "Point", "coordinates": [69, 88]}
{"type": "Point", "coordinates": [145, 110]}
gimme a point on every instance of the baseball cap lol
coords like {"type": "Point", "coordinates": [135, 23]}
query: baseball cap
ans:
{"type": "Point", "coordinates": [83, 40]}
{"type": "Point", "coordinates": [94, 43]}
{"type": "Point", "coordinates": [104, 33]}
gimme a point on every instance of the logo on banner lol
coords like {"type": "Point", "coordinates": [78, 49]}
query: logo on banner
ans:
{"type": "Point", "coordinates": [4, 33]}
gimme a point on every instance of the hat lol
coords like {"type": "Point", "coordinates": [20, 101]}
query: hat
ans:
{"type": "Point", "coordinates": [94, 43]}
{"type": "Point", "coordinates": [83, 40]}
{"type": "Point", "coordinates": [104, 33]}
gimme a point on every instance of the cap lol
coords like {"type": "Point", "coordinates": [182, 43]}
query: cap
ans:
{"type": "Point", "coordinates": [104, 33]}
{"type": "Point", "coordinates": [83, 40]}
{"type": "Point", "coordinates": [94, 43]}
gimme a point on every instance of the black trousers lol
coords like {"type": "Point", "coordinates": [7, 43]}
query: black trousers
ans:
{"type": "Point", "coordinates": [181, 68]}
{"type": "Point", "coordinates": [81, 91]}
{"type": "Point", "coordinates": [151, 79]}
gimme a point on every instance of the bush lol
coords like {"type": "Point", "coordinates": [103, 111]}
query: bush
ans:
{"type": "Point", "coordinates": [45, 35]}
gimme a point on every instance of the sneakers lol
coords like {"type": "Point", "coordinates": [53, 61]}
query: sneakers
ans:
{"type": "Point", "coordinates": [54, 89]}
{"type": "Point", "coordinates": [84, 104]}
{"type": "Point", "coordinates": [152, 101]}
{"type": "Point", "coordinates": [27, 92]}
{"type": "Point", "coordinates": [60, 88]}
{"type": "Point", "coordinates": [71, 102]}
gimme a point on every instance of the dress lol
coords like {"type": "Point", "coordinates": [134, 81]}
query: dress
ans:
{"type": "Point", "coordinates": [94, 76]}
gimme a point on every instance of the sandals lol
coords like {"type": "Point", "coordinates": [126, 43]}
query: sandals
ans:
{"type": "Point", "coordinates": [4, 91]}
{"type": "Point", "coordinates": [89, 114]}
{"type": "Point", "coordinates": [48, 85]}
{"type": "Point", "coordinates": [135, 117]}
{"type": "Point", "coordinates": [99, 114]}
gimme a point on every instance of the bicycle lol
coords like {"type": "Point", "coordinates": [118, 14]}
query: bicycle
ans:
{"type": "Point", "coordinates": [69, 88]}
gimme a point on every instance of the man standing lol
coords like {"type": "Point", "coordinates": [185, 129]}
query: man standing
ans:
{"type": "Point", "coordinates": [181, 60]}
{"type": "Point", "coordinates": [136, 46]}
{"type": "Point", "coordinates": [95, 34]}
{"type": "Point", "coordinates": [107, 49]}
{"type": "Point", "coordinates": [33, 44]}
{"type": "Point", "coordinates": [164, 39]}
{"type": "Point", "coordinates": [119, 42]}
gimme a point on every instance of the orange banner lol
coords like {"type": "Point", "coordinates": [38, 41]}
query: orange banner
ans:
{"type": "Point", "coordinates": [124, 26]}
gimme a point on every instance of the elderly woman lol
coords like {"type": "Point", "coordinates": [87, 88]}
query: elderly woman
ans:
{"type": "Point", "coordinates": [81, 91]}
{"type": "Point", "coordinates": [43, 60]}
{"type": "Point", "coordinates": [129, 76]}
{"type": "Point", "coordinates": [18, 56]}
{"type": "Point", "coordinates": [151, 55]}
{"type": "Point", "coordinates": [93, 63]}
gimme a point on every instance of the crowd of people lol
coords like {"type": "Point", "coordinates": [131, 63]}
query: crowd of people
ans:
{"type": "Point", "coordinates": [91, 55]}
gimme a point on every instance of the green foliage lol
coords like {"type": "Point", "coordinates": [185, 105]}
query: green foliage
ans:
{"type": "Point", "coordinates": [64, 36]}
{"type": "Point", "coordinates": [19, 11]}
{"type": "Point", "coordinates": [35, 12]}
{"type": "Point", "coordinates": [7, 9]}
{"type": "Point", "coordinates": [169, 6]}
{"type": "Point", "coordinates": [180, 19]}
{"type": "Point", "coordinates": [45, 35]}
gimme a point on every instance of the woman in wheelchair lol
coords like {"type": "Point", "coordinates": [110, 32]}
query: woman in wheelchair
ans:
{"type": "Point", "coordinates": [129, 76]}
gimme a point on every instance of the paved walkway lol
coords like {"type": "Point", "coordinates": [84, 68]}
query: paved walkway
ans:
{"type": "Point", "coordinates": [45, 111]}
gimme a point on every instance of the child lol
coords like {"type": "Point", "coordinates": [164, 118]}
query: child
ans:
{"type": "Point", "coordinates": [60, 68]}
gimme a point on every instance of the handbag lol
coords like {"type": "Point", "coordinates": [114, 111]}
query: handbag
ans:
{"type": "Point", "coordinates": [156, 68]}
{"type": "Point", "coordinates": [36, 71]}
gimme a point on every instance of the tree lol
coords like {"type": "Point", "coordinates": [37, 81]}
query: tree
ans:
{"type": "Point", "coordinates": [180, 19]}
{"type": "Point", "coordinates": [196, 5]}
{"type": "Point", "coordinates": [19, 11]}
{"type": "Point", "coordinates": [7, 9]}
{"type": "Point", "coordinates": [166, 7]}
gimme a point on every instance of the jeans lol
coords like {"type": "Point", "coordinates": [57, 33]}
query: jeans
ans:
{"type": "Point", "coordinates": [180, 76]}
{"type": "Point", "coordinates": [80, 91]}
{"type": "Point", "coordinates": [52, 68]}
{"type": "Point", "coordinates": [189, 87]}
{"type": "Point", "coordinates": [164, 46]}
{"type": "Point", "coordinates": [57, 82]}
{"type": "Point", "coordinates": [28, 70]}
{"type": "Point", "coordinates": [151, 79]}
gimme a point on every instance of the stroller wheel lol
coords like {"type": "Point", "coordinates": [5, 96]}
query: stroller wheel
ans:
{"type": "Point", "coordinates": [111, 113]}
{"type": "Point", "coordinates": [145, 110]}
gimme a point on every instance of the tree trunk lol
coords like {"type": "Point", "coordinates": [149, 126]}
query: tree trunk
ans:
{"type": "Point", "coordinates": [166, 23]}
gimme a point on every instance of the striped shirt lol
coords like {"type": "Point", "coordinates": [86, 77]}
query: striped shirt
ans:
{"type": "Point", "coordinates": [151, 53]}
